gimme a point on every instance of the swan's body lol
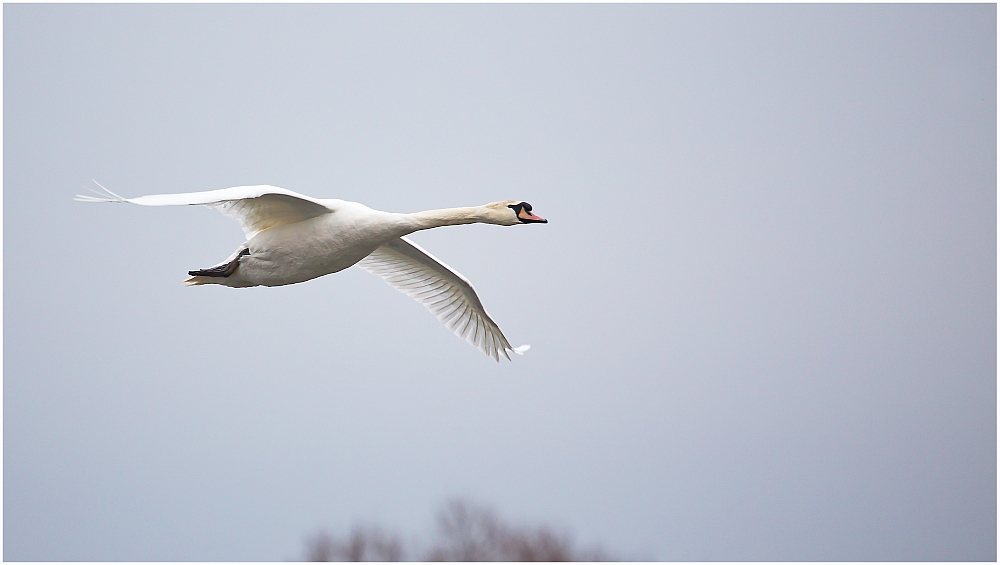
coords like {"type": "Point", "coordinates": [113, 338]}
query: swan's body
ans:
{"type": "Point", "coordinates": [292, 238]}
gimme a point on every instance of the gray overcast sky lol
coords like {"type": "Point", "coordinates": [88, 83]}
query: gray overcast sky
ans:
{"type": "Point", "coordinates": [762, 318]}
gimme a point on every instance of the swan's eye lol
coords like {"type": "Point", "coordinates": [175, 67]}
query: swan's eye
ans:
{"type": "Point", "coordinates": [526, 206]}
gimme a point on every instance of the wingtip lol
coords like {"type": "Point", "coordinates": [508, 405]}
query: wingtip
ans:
{"type": "Point", "coordinates": [117, 198]}
{"type": "Point", "coordinates": [106, 196]}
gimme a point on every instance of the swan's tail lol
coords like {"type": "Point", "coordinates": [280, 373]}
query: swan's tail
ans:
{"type": "Point", "coordinates": [195, 281]}
{"type": "Point", "coordinates": [106, 196]}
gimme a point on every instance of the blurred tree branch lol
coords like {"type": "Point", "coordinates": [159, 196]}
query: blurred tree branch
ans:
{"type": "Point", "coordinates": [465, 532]}
{"type": "Point", "coordinates": [365, 543]}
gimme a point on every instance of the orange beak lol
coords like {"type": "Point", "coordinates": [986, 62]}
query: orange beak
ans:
{"type": "Point", "coordinates": [526, 215]}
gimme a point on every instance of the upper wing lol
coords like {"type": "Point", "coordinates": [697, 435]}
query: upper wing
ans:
{"type": "Point", "coordinates": [447, 294]}
{"type": "Point", "coordinates": [256, 208]}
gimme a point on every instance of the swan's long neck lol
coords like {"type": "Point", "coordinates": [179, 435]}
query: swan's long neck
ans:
{"type": "Point", "coordinates": [447, 217]}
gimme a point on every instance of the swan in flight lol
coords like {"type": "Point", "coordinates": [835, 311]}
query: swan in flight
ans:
{"type": "Point", "coordinates": [292, 238]}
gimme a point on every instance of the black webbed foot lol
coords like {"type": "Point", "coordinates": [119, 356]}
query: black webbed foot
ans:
{"type": "Point", "coordinates": [222, 270]}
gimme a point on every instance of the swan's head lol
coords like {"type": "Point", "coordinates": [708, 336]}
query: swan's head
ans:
{"type": "Point", "coordinates": [511, 213]}
{"type": "Point", "coordinates": [523, 212]}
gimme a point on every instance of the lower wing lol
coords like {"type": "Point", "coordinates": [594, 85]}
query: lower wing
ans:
{"type": "Point", "coordinates": [442, 290]}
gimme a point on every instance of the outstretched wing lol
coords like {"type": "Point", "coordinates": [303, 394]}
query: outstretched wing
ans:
{"type": "Point", "coordinates": [447, 294]}
{"type": "Point", "coordinates": [256, 208]}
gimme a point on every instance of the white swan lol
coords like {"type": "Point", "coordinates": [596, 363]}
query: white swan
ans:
{"type": "Point", "coordinates": [292, 238]}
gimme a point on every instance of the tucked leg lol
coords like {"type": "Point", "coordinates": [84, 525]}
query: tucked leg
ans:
{"type": "Point", "coordinates": [223, 270]}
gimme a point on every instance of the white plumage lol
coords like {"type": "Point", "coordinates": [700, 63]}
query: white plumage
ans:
{"type": "Point", "coordinates": [293, 238]}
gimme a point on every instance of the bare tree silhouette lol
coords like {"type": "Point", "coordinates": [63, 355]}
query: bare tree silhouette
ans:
{"type": "Point", "coordinates": [465, 532]}
{"type": "Point", "coordinates": [365, 543]}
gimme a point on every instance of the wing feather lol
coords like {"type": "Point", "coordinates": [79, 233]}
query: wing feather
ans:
{"type": "Point", "coordinates": [442, 290]}
{"type": "Point", "coordinates": [256, 208]}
